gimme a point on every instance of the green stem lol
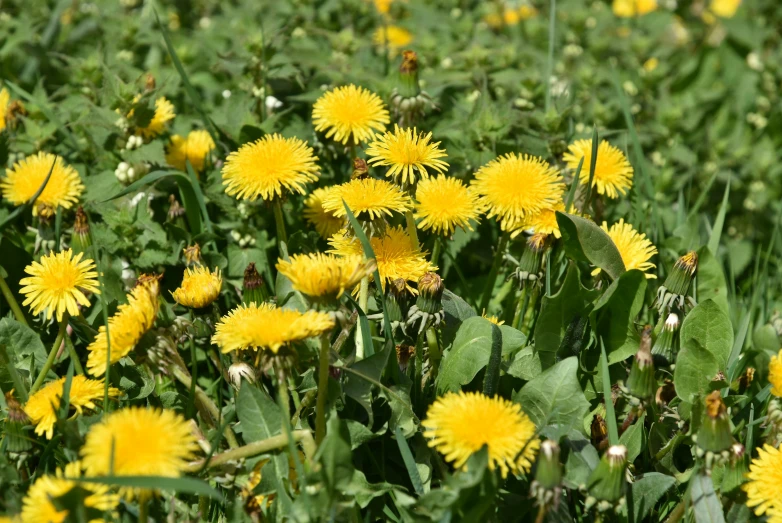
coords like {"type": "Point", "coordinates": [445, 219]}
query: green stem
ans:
{"type": "Point", "coordinates": [550, 61]}
{"type": "Point", "coordinates": [495, 269]}
{"type": "Point", "coordinates": [285, 400]}
{"type": "Point", "coordinates": [52, 354]}
{"type": "Point", "coordinates": [74, 358]}
{"type": "Point", "coordinates": [206, 403]}
{"type": "Point", "coordinates": [521, 308]}
{"type": "Point", "coordinates": [279, 220]}
{"type": "Point", "coordinates": [203, 507]}
{"type": "Point", "coordinates": [436, 248]}
{"type": "Point", "coordinates": [323, 386]}
{"type": "Point", "coordinates": [363, 300]}
{"type": "Point", "coordinates": [9, 297]}
{"type": "Point", "coordinates": [412, 231]}
{"type": "Point", "coordinates": [435, 355]}
{"type": "Point", "coordinates": [143, 509]}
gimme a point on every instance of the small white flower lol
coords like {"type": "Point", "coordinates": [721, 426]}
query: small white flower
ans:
{"type": "Point", "coordinates": [754, 62]}
{"type": "Point", "coordinates": [299, 32]}
{"type": "Point", "coordinates": [227, 94]}
{"type": "Point", "coordinates": [258, 92]}
{"type": "Point", "coordinates": [630, 88]}
{"type": "Point", "coordinates": [591, 22]}
{"type": "Point", "coordinates": [205, 22]}
{"type": "Point", "coordinates": [272, 103]}
{"type": "Point", "coordinates": [446, 63]}
{"type": "Point", "coordinates": [236, 235]}
{"type": "Point", "coordinates": [456, 12]}
{"type": "Point", "coordinates": [473, 96]}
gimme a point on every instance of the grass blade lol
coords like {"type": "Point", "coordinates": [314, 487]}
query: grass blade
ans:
{"type": "Point", "coordinates": [199, 195]}
{"type": "Point", "coordinates": [571, 195]}
{"type": "Point", "coordinates": [552, 26]}
{"type": "Point", "coordinates": [719, 223]}
{"type": "Point", "coordinates": [407, 457]}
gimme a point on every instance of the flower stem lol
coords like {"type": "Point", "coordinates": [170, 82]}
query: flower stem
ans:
{"type": "Point", "coordinates": [52, 354]}
{"type": "Point", "coordinates": [282, 391]}
{"type": "Point", "coordinates": [323, 390]}
{"type": "Point", "coordinates": [521, 308]}
{"type": "Point", "coordinates": [279, 219]}
{"type": "Point", "coordinates": [436, 248]}
{"type": "Point", "coordinates": [205, 402]}
{"type": "Point", "coordinates": [411, 228]}
{"type": "Point", "coordinates": [363, 300]}
{"type": "Point", "coordinates": [434, 351]}
{"type": "Point", "coordinates": [143, 509]}
{"type": "Point", "coordinates": [74, 358]}
{"type": "Point", "coordinates": [9, 297]}
{"type": "Point", "coordinates": [495, 269]}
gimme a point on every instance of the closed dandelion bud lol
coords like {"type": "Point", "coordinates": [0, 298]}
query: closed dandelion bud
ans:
{"type": "Point", "coordinates": [360, 169]}
{"type": "Point", "coordinates": [238, 372]}
{"type": "Point", "coordinates": [430, 293]}
{"type": "Point", "coordinates": [607, 481]}
{"type": "Point", "coordinates": [548, 474]}
{"type": "Point", "coordinates": [715, 434]}
{"type": "Point", "coordinates": [408, 86]}
{"type": "Point", "coordinates": [254, 289]}
{"type": "Point", "coordinates": [667, 345]}
{"type": "Point", "coordinates": [149, 82]}
{"type": "Point", "coordinates": [176, 213]}
{"type": "Point", "coordinates": [531, 259]}
{"type": "Point", "coordinates": [16, 439]}
{"type": "Point", "coordinates": [677, 284]}
{"type": "Point", "coordinates": [641, 382]}
{"type": "Point", "coordinates": [397, 300]}
{"type": "Point", "coordinates": [80, 239]}
{"type": "Point", "coordinates": [192, 255]}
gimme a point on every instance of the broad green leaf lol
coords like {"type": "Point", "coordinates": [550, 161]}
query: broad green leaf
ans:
{"type": "Point", "coordinates": [363, 376]}
{"type": "Point", "coordinates": [705, 503]}
{"type": "Point", "coordinates": [647, 491]}
{"type": "Point", "coordinates": [557, 312]}
{"type": "Point", "coordinates": [259, 414]}
{"type": "Point", "coordinates": [24, 342]}
{"type": "Point", "coordinates": [616, 311]}
{"type": "Point", "coordinates": [711, 280]}
{"type": "Point", "coordinates": [634, 439]}
{"type": "Point", "coordinates": [185, 484]}
{"type": "Point", "coordinates": [585, 241]}
{"type": "Point", "coordinates": [696, 367]}
{"type": "Point", "coordinates": [525, 364]}
{"type": "Point", "coordinates": [456, 311]}
{"type": "Point", "coordinates": [555, 397]}
{"type": "Point", "coordinates": [711, 327]}
{"type": "Point", "coordinates": [582, 458]}
{"type": "Point", "coordinates": [470, 352]}
{"type": "Point", "coordinates": [335, 456]}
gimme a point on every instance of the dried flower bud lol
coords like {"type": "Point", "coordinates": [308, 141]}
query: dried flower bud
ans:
{"type": "Point", "coordinates": [149, 82]}
{"type": "Point", "coordinates": [16, 439]}
{"type": "Point", "coordinates": [599, 431]}
{"type": "Point", "coordinates": [607, 481]}
{"type": "Point", "coordinates": [13, 113]}
{"type": "Point", "coordinates": [665, 393]}
{"type": "Point", "coordinates": [403, 354]}
{"type": "Point", "coordinates": [641, 382]}
{"type": "Point", "coordinates": [238, 372]}
{"type": "Point", "coordinates": [254, 289]}
{"type": "Point", "coordinates": [175, 210]}
{"type": "Point", "coordinates": [714, 434]}
{"type": "Point", "coordinates": [80, 239]}
{"type": "Point", "coordinates": [360, 168]}
{"type": "Point", "coordinates": [192, 255]}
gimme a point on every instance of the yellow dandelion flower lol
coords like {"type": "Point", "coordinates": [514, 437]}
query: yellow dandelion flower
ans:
{"type": "Point", "coordinates": [613, 172]}
{"type": "Point", "coordinates": [493, 319]}
{"type": "Point", "coordinates": [199, 287]}
{"type": "Point", "coordinates": [444, 203]}
{"type": "Point", "coordinates": [634, 247]}
{"type": "Point", "coordinates": [143, 442]}
{"type": "Point", "coordinates": [38, 505]}
{"type": "Point", "coordinates": [405, 152]}
{"type": "Point", "coordinates": [42, 406]}
{"type": "Point", "coordinates": [649, 66]}
{"type": "Point", "coordinates": [126, 327]}
{"type": "Point", "coordinates": [324, 221]}
{"type": "Point", "coordinates": [267, 166]}
{"type": "Point", "coordinates": [267, 327]}
{"type": "Point", "coordinates": [5, 97]}
{"type": "Point", "coordinates": [775, 375]}
{"type": "Point", "coordinates": [527, 12]}
{"type": "Point", "coordinates": [164, 113]}
{"type": "Point", "coordinates": [195, 147]}
{"type": "Point", "coordinates": [514, 187]}
{"type": "Point", "coordinates": [724, 8]}
{"type": "Point", "coordinates": [350, 113]}
{"type": "Point", "coordinates": [544, 222]}
{"type": "Point", "coordinates": [57, 283]}
{"type": "Point", "coordinates": [395, 254]}
{"type": "Point", "coordinates": [394, 37]}
{"type": "Point", "coordinates": [321, 275]}
{"type": "Point", "coordinates": [459, 424]}
{"type": "Point", "coordinates": [368, 198]}
{"type": "Point", "coordinates": [633, 8]}
{"type": "Point", "coordinates": [764, 488]}
{"type": "Point", "coordinates": [23, 180]}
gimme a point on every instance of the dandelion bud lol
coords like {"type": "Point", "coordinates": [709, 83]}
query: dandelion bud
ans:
{"type": "Point", "coordinates": [408, 75]}
{"type": "Point", "coordinates": [745, 380]}
{"type": "Point", "coordinates": [397, 300]}
{"type": "Point", "coordinates": [176, 212]}
{"type": "Point", "coordinates": [360, 168]}
{"type": "Point", "coordinates": [641, 382]}
{"type": "Point", "coordinates": [238, 372]}
{"type": "Point", "coordinates": [531, 259]}
{"type": "Point", "coordinates": [677, 284]}
{"type": "Point", "coordinates": [16, 440]}
{"type": "Point", "coordinates": [667, 345]}
{"type": "Point", "coordinates": [430, 293]}
{"type": "Point", "coordinates": [254, 289]}
{"type": "Point", "coordinates": [80, 239]}
{"type": "Point", "coordinates": [715, 434]}
{"type": "Point", "coordinates": [549, 470]}
{"type": "Point", "coordinates": [192, 255]}
{"type": "Point", "coordinates": [149, 82]}
{"type": "Point", "coordinates": [408, 100]}
{"type": "Point", "coordinates": [607, 481]}
{"type": "Point", "coordinates": [13, 113]}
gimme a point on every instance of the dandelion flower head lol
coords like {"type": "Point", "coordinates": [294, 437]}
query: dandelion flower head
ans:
{"type": "Point", "coordinates": [23, 180]}
{"type": "Point", "coordinates": [199, 287]}
{"type": "Point", "coordinates": [634, 247]}
{"type": "Point", "coordinates": [324, 221]}
{"type": "Point", "coordinates": [350, 114]}
{"type": "Point", "coordinates": [613, 172]}
{"type": "Point", "coordinates": [196, 147]}
{"type": "Point", "coordinates": [321, 275]}
{"type": "Point", "coordinates": [407, 154]}
{"type": "Point", "coordinates": [368, 199]}
{"type": "Point", "coordinates": [444, 203]}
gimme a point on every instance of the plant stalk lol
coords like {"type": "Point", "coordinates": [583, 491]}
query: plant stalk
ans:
{"type": "Point", "coordinates": [436, 248]}
{"type": "Point", "coordinates": [52, 354]}
{"type": "Point", "coordinates": [256, 447]}
{"type": "Point", "coordinates": [279, 220]}
{"type": "Point", "coordinates": [412, 231]}
{"type": "Point", "coordinates": [203, 399]}
{"type": "Point", "coordinates": [363, 301]}
{"type": "Point", "coordinates": [495, 269]}
{"type": "Point", "coordinates": [323, 392]}
{"type": "Point", "coordinates": [9, 297]}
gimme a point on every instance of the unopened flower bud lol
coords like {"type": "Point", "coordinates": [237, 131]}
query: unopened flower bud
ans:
{"type": "Point", "coordinates": [677, 284]}
{"type": "Point", "coordinates": [360, 168]}
{"type": "Point", "coordinates": [176, 212]}
{"type": "Point", "coordinates": [149, 82]}
{"type": "Point", "coordinates": [607, 481]}
{"type": "Point", "coordinates": [192, 255]}
{"type": "Point", "coordinates": [641, 383]}
{"type": "Point", "coordinates": [408, 75]}
{"type": "Point", "coordinates": [529, 270]}
{"type": "Point", "coordinates": [238, 372]}
{"type": "Point", "coordinates": [430, 293]}
{"type": "Point", "coordinates": [80, 239]}
{"type": "Point", "coordinates": [397, 300]}
{"type": "Point", "coordinates": [16, 439]}
{"type": "Point", "coordinates": [549, 469]}
{"type": "Point", "coordinates": [715, 434]}
{"type": "Point", "coordinates": [254, 289]}
{"type": "Point", "coordinates": [667, 345]}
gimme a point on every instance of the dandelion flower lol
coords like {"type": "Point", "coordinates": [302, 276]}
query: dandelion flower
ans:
{"type": "Point", "coordinates": [143, 442]}
{"type": "Point", "coordinates": [126, 327]}
{"type": "Point", "coordinates": [544, 222]}
{"type": "Point", "coordinates": [42, 406]}
{"type": "Point", "coordinates": [23, 180]}
{"type": "Point", "coordinates": [38, 505]}
{"type": "Point", "coordinates": [613, 173]}
{"type": "Point", "coordinates": [324, 221]}
{"type": "Point", "coordinates": [164, 113]}
{"type": "Point", "coordinates": [764, 488]}
{"type": "Point", "coordinates": [445, 203]}
{"type": "Point", "coordinates": [514, 187]}
{"type": "Point", "coordinates": [267, 166]}
{"type": "Point", "coordinates": [199, 287]}
{"type": "Point", "coordinates": [633, 8]}
{"type": "Point", "coordinates": [395, 254]}
{"type": "Point", "coordinates": [634, 247]}
{"type": "Point", "coordinates": [406, 151]}
{"type": "Point", "coordinates": [350, 113]}
{"type": "Point", "coordinates": [775, 375]}
{"type": "Point", "coordinates": [368, 198]}
{"type": "Point", "coordinates": [267, 327]}
{"type": "Point", "coordinates": [57, 284]}
{"type": "Point", "coordinates": [459, 424]}
{"type": "Point", "coordinates": [5, 97]}
{"type": "Point", "coordinates": [393, 37]}
{"type": "Point", "coordinates": [493, 319]}
{"type": "Point", "coordinates": [195, 147]}
{"type": "Point", "coordinates": [323, 275]}
{"type": "Point", "coordinates": [724, 8]}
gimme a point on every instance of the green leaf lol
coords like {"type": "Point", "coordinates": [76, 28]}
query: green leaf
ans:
{"type": "Point", "coordinates": [585, 241]}
{"type": "Point", "coordinates": [470, 352]}
{"type": "Point", "coordinates": [557, 312]}
{"type": "Point", "coordinates": [259, 414]}
{"type": "Point", "coordinates": [634, 439]}
{"type": "Point", "coordinates": [409, 460]}
{"type": "Point", "coordinates": [711, 327]}
{"type": "Point", "coordinates": [525, 364]}
{"type": "Point", "coordinates": [705, 503]}
{"type": "Point", "coordinates": [696, 367]}
{"type": "Point", "coordinates": [24, 342]}
{"type": "Point", "coordinates": [555, 397]}
{"type": "Point", "coordinates": [199, 194]}
{"type": "Point", "coordinates": [335, 455]}
{"type": "Point", "coordinates": [617, 309]}
{"type": "Point", "coordinates": [185, 484]}
{"type": "Point", "coordinates": [364, 374]}
{"type": "Point", "coordinates": [647, 491]}
{"type": "Point", "coordinates": [582, 458]}
{"type": "Point", "coordinates": [711, 280]}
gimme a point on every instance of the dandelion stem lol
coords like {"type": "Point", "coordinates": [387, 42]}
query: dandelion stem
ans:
{"type": "Point", "coordinates": [9, 297]}
{"type": "Point", "coordinates": [143, 509]}
{"type": "Point", "coordinates": [323, 389]}
{"type": "Point", "coordinates": [436, 248]}
{"type": "Point", "coordinates": [521, 308]}
{"type": "Point", "coordinates": [74, 357]}
{"type": "Point", "coordinates": [52, 354]}
{"type": "Point", "coordinates": [205, 402]}
{"type": "Point", "coordinates": [282, 392]}
{"type": "Point", "coordinates": [495, 269]}
{"type": "Point", "coordinates": [411, 229]}
{"type": "Point", "coordinates": [434, 351]}
{"type": "Point", "coordinates": [279, 219]}
{"type": "Point", "coordinates": [363, 300]}
{"type": "Point", "coordinates": [256, 447]}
